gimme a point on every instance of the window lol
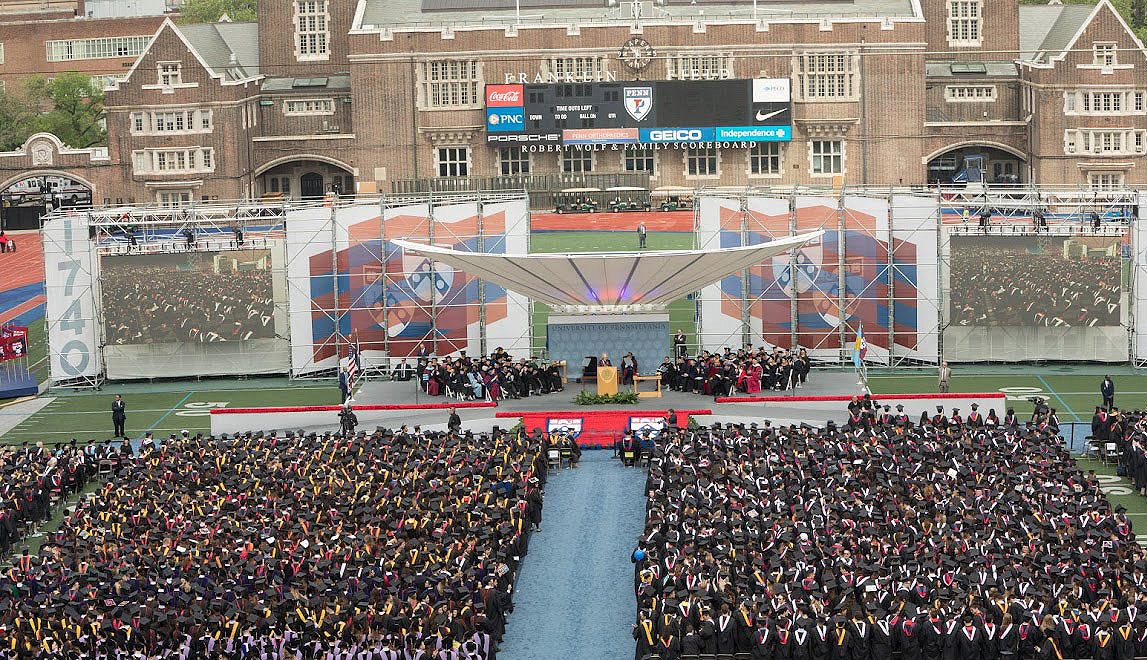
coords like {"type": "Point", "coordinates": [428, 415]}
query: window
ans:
{"type": "Point", "coordinates": [172, 121]}
{"type": "Point", "coordinates": [173, 198]}
{"type": "Point", "coordinates": [1105, 180]}
{"type": "Point", "coordinates": [826, 76]}
{"type": "Point", "coordinates": [453, 161]}
{"type": "Point", "coordinates": [1, 53]}
{"type": "Point", "coordinates": [309, 107]}
{"type": "Point", "coordinates": [170, 74]}
{"type": "Point", "coordinates": [1068, 102]}
{"type": "Point", "coordinates": [701, 161]}
{"type": "Point", "coordinates": [174, 161]}
{"type": "Point", "coordinates": [577, 69]}
{"type": "Point", "coordinates": [964, 22]}
{"type": "Point", "coordinates": [1103, 54]}
{"type": "Point", "coordinates": [1103, 102]}
{"type": "Point", "coordinates": [103, 81]}
{"type": "Point", "coordinates": [827, 156]}
{"type": "Point", "coordinates": [576, 160]}
{"type": "Point", "coordinates": [512, 160]}
{"type": "Point", "coordinates": [311, 34]}
{"type": "Point", "coordinates": [765, 159]}
{"type": "Point", "coordinates": [970, 93]}
{"type": "Point", "coordinates": [1137, 101]}
{"type": "Point", "coordinates": [450, 83]}
{"type": "Point", "coordinates": [94, 49]}
{"type": "Point", "coordinates": [1106, 143]}
{"type": "Point", "coordinates": [689, 66]}
{"type": "Point", "coordinates": [637, 159]}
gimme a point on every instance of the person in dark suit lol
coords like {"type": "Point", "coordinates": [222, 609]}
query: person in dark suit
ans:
{"type": "Point", "coordinates": [1107, 390]}
{"type": "Point", "coordinates": [119, 416]}
{"type": "Point", "coordinates": [455, 422]}
{"type": "Point", "coordinates": [344, 385]}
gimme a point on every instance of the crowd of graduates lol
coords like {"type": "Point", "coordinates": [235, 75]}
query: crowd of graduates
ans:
{"type": "Point", "coordinates": [33, 477]}
{"type": "Point", "coordinates": [994, 286]}
{"type": "Point", "coordinates": [956, 541]}
{"type": "Point", "coordinates": [156, 304]}
{"type": "Point", "coordinates": [497, 376]}
{"type": "Point", "coordinates": [381, 546]}
{"type": "Point", "coordinates": [747, 371]}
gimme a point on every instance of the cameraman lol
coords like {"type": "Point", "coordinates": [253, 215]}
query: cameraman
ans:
{"type": "Point", "coordinates": [347, 420]}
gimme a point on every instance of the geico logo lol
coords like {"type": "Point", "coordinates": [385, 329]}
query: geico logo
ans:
{"type": "Point", "coordinates": [675, 135]}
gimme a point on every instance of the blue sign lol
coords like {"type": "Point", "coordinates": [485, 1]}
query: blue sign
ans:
{"type": "Point", "coordinates": [754, 133]}
{"type": "Point", "coordinates": [503, 120]}
{"type": "Point", "coordinates": [677, 135]}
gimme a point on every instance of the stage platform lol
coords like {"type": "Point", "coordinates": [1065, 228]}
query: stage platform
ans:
{"type": "Point", "coordinates": [16, 382]}
{"type": "Point", "coordinates": [391, 404]}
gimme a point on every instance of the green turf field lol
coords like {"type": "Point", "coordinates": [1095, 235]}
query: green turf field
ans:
{"type": "Point", "coordinates": [161, 408]}
{"type": "Point", "coordinates": [681, 312]}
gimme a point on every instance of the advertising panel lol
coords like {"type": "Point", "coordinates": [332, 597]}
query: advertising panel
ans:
{"type": "Point", "coordinates": [654, 112]}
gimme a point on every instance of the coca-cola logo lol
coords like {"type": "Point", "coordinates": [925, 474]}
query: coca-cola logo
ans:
{"type": "Point", "coordinates": [508, 97]}
{"type": "Point", "coordinates": [504, 96]}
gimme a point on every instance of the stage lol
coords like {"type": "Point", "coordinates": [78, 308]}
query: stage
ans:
{"type": "Point", "coordinates": [390, 404]}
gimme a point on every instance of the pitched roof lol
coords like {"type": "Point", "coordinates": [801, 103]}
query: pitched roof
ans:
{"type": "Point", "coordinates": [230, 49]}
{"type": "Point", "coordinates": [1047, 30]}
{"type": "Point", "coordinates": [378, 14]}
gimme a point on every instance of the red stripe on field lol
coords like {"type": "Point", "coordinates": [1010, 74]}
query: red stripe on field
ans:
{"type": "Point", "coordinates": [782, 399]}
{"type": "Point", "coordinates": [583, 413]}
{"type": "Point", "coordinates": [409, 406]}
{"type": "Point", "coordinates": [25, 306]}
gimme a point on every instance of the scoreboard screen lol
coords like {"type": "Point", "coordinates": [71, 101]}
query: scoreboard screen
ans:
{"type": "Point", "coordinates": [639, 112]}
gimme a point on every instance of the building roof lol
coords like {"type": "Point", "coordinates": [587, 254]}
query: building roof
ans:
{"type": "Point", "coordinates": [326, 83]}
{"type": "Point", "coordinates": [1048, 29]}
{"type": "Point", "coordinates": [231, 49]}
{"type": "Point", "coordinates": [413, 14]}
{"type": "Point", "coordinates": [970, 69]}
{"type": "Point", "coordinates": [609, 279]}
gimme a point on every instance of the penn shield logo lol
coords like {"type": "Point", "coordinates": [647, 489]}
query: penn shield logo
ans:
{"type": "Point", "coordinates": [638, 102]}
{"type": "Point", "coordinates": [568, 426]}
{"type": "Point", "coordinates": [639, 425]}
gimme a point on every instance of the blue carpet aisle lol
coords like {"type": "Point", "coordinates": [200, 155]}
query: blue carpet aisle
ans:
{"type": "Point", "coordinates": [574, 598]}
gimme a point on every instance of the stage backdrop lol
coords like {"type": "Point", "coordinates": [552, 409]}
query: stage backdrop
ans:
{"type": "Point", "coordinates": [875, 266]}
{"type": "Point", "coordinates": [367, 290]}
{"type": "Point", "coordinates": [573, 338]}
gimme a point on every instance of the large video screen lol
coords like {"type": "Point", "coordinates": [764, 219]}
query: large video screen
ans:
{"type": "Point", "coordinates": [196, 297]}
{"type": "Point", "coordinates": [1040, 281]}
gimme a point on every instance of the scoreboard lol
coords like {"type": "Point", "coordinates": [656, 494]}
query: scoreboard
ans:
{"type": "Point", "coordinates": [757, 110]}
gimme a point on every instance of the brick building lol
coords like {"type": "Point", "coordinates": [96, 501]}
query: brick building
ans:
{"type": "Point", "coordinates": [387, 95]}
{"type": "Point", "coordinates": [48, 37]}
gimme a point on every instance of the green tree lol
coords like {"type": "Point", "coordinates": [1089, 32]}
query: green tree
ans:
{"type": "Point", "coordinates": [72, 108]}
{"type": "Point", "coordinates": [16, 118]}
{"type": "Point", "coordinates": [209, 11]}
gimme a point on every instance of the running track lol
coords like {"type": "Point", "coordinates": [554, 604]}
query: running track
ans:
{"type": "Point", "coordinates": [22, 280]}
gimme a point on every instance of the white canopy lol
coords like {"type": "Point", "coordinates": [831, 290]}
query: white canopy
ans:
{"type": "Point", "coordinates": [609, 279]}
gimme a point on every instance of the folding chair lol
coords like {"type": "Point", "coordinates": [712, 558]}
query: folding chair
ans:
{"type": "Point", "coordinates": [553, 457]}
{"type": "Point", "coordinates": [567, 456]}
{"type": "Point", "coordinates": [104, 469]}
{"type": "Point", "coordinates": [1110, 453]}
{"type": "Point", "coordinates": [628, 456]}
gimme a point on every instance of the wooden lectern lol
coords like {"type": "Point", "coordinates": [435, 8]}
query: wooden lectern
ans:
{"type": "Point", "coordinates": [606, 380]}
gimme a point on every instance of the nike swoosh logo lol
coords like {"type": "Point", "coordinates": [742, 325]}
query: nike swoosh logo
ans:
{"type": "Point", "coordinates": [762, 116]}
